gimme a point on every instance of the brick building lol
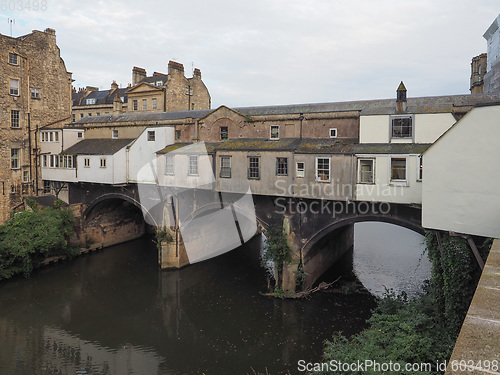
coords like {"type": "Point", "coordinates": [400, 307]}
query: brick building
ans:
{"type": "Point", "coordinates": [35, 92]}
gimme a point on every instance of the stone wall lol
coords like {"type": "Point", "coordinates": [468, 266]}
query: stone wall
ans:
{"type": "Point", "coordinates": [39, 68]}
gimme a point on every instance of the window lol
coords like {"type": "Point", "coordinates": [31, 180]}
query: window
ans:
{"type": "Point", "coordinates": [14, 119]}
{"type": "Point", "coordinates": [192, 106]}
{"type": "Point", "coordinates": [98, 113]}
{"type": "Point", "coordinates": [159, 83]}
{"type": "Point", "coordinates": [193, 165]}
{"type": "Point", "coordinates": [15, 156]}
{"type": "Point", "coordinates": [46, 187]}
{"type": "Point", "coordinates": [151, 136]}
{"type": "Point", "coordinates": [13, 59]}
{"type": "Point", "coordinates": [56, 136]}
{"type": "Point", "coordinates": [81, 115]}
{"type": "Point", "coordinates": [103, 162]}
{"type": "Point", "coordinates": [74, 117]}
{"type": "Point", "coordinates": [86, 163]}
{"type": "Point", "coordinates": [169, 165]}
{"type": "Point", "coordinates": [144, 104]}
{"type": "Point", "coordinates": [365, 171]}
{"type": "Point", "coordinates": [300, 168]}
{"type": "Point", "coordinates": [35, 93]}
{"type": "Point", "coordinates": [44, 161]}
{"type": "Point", "coordinates": [134, 102]}
{"type": "Point", "coordinates": [114, 133]}
{"type": "Point", "coordinates": [420, 168]}
{"type": "Point", "coordinates": [13, 189]}
{"type": "Point", "coordinates": [281, 166]}
{"type": "Point", "coordinates": [323, 169]}
{"type": "Point", "coordinates": [398, 169]}
{"type": "Point", "coordinates": [253, 167]}
{"type": "Point", "coordinates": [67, 161]}
{"type": "Point", "coordinates": [89, 114]}
{"type": "Point", "coordinates": [275, 132]}
{"type": "Point", "coordinates": [225, 166]}
{"type": "Point", "coordinates": [154, 102]}
{"type": "Point", "coordinates": [177, 134]}
{"type": "Point", "coordinates": [26, 176]}
{"type": "Point", "coordinates": [79, 135]}
{"type": "Point", "coordinates": [14, 87]}
{"type": "Point", "coordinates": [402, 127]}
{"type": "Point", "coordinates": [333, 132]}
{"type": "Point", "coordinates": [91, 101]}
{"type": "Point", "coordinates": [223, 133]}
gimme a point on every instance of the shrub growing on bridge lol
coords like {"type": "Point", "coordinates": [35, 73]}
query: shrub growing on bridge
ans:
{"type": "Point", "coordinates": [32, 236]}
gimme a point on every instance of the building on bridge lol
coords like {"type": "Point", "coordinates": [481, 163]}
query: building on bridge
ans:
{"type": "Point", "coordinates": [36, 93]}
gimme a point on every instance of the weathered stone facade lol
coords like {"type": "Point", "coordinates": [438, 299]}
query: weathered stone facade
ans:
{"type": "Point", "coordinates": [478, 70]}
{"type": "Point", "coordinates": [35, 92]}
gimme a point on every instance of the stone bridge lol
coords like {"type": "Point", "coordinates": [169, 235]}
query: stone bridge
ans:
{"type": "Point", "coordinates": [319, 231]}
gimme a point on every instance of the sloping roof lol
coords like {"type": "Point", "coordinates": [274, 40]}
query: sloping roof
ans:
{"type": "Point", "coordinates": [101, 96]}
{"type": "Point", "coordinates": [299, 146]}
{"type": "Point", "coordinates": [153, 79]}
{"type": "Point", "coordinates": [105, 146]}
{"type": "Point", "coordinates": [144, 116]}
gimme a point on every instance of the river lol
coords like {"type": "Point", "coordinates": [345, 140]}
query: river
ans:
{"type": "Point", "coordinates": [115, 312]}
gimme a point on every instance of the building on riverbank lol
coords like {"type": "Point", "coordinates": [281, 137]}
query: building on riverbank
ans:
{"type": "Point", "coordinates": [35, 93]}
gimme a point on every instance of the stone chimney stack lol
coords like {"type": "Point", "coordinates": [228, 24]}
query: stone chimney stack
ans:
{"type": "Point", "coordinates": [137, 75]}
{"type": "Point", "coordinates": [51, 33]}
{"type": "Point", "coordinates": [401, 104]}
{"type": "Point", "coordinates": [114, 85]}
{"type": "Point", "coordinates": [175, 68]}
{"type": "Point", "coordinates": [117, 105]}
{"type": "Point", "coordinates": [197, 73]}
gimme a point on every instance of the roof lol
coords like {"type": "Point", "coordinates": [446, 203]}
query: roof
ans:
{"type": "Point", "coordinates": [101, 96]}
{"type": "Point", "coordinates": [105, 146]}
{"type": "Point", "coordinates": [299, 146]}
{"type": "Point", "coordinates": [145, 116]}
{"type": "Point", "coordinates": [153, 79]}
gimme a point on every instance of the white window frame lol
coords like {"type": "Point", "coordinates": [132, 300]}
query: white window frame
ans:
{"type": "Point", "coordinates": [169, 165]}
{"type": "Point", "coordinates": [86, 162]}
{"type": "Point", "coordinates": [333, 132]}
{"type": "Point", "coordinates": [271, 127]}
{"type": "Point", "coordinates": [15, 121]}
{"type": "Point", "coordinates": [15, 158]}
{"type": "Point", "coordinates": [114, 133]}
{"type": "Point", "coordinates": [14, 85]}
{"type": "Point", "coordinates": [398, 181]}
{"type": "Point", "coordinates": [300, 171]}
{"type": "Point", "coordinates": [26, 176]}
{"type": "Point", "coordinates": [412, 124]}
{"type": "Point", "coordinates": [225, 168]}
{"type": "Point", "coordinates": [90, 101]}
{"type": "Point", "coordinates": [154, 103]}
{"type": "Point", "coordinates": [102, 163]}
{"type": "Point", "coordinates": [251, 169]}
{"type": "Point", "coordinates": [192, 165]}
{"type": "Point", "coordinates": [317, 169]}
{"type": "Point", "coordinates": [44, 161]}
{"type": "Point", "coordinates": [360, 177]}
{"type": "Point", "coordinates": [79, 135]}
{"type": "Point", "coordinates": [35, 93]}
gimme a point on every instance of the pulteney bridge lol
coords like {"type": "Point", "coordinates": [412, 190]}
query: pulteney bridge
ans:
{"type": "Point", "coordinates": [319, 232]}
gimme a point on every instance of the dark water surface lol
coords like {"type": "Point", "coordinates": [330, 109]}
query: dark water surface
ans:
{"type": "Point", "coordinates": [115, 312]}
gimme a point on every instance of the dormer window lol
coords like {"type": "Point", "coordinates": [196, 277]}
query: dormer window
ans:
{"type": "Point", "coordinates": [402, 127]}
{"type": "Point", "coordinates": [114, 134]}
{"type": "Point", "coordinates": [333, 132]}
{"type": "Point", "coordinates": [159, 83]}
{"type": "Point", "coordinates": [91, 101]}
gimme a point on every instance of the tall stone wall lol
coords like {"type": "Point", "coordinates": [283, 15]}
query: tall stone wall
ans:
{"type": "Point", "coordinates": [43, 98]}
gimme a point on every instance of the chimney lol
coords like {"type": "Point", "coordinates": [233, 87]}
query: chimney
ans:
{"type": "Point", "coordinates": [401, 98]}
{"type": "Point", "coordinates": [137, 75]}
{"type": "Point", "coordinates": [117, 105]}
{"type": "Point", "coordinates": [51, 34]}
{"type": "Point", "coordinates": [114, 85]}
{"type": "Point", "coordinates": [197, 73]}
{"type": "Point", "coordinates": [175, 67]}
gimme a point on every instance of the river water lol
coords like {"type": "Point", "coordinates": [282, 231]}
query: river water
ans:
{"type": "Point", "coordinates": [115, 312]}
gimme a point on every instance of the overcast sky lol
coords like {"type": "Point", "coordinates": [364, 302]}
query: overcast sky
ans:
{"type": "Point", "coordinates": [266, 52]}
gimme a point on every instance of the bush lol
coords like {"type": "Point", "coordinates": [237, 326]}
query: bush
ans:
{"type": "Point", "coordinates": [30, 237]}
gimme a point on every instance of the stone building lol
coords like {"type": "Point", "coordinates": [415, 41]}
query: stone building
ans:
{"type": "Point", "coordinates": [35, 93]}
{"type": "Point", "coordinates": [157, 93]}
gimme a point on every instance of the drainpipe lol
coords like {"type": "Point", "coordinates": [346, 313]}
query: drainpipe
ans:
{"type": "Point", "coordinates": [352, 177]}
{"type": "Point", "coordinates": [301, 118]}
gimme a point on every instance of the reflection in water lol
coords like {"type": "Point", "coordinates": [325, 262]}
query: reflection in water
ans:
{"type": "Point", "coordinates": [387, 256]}
{"type": "Point", "coordinates": [115, 312]}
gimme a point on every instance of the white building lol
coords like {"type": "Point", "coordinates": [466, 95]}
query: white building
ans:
{"type": "Point", "coordinates": [462, 179]}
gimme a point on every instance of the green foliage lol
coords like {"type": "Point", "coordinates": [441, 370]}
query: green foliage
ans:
{"type": "Point", "coordinates": [277, 249]}
{"type": "Point", "coordinates": [162, 235]}
{"type": "Point", "coordinates": [30, 237]}
{"type": "Point", "coordinates": [422, 330]}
